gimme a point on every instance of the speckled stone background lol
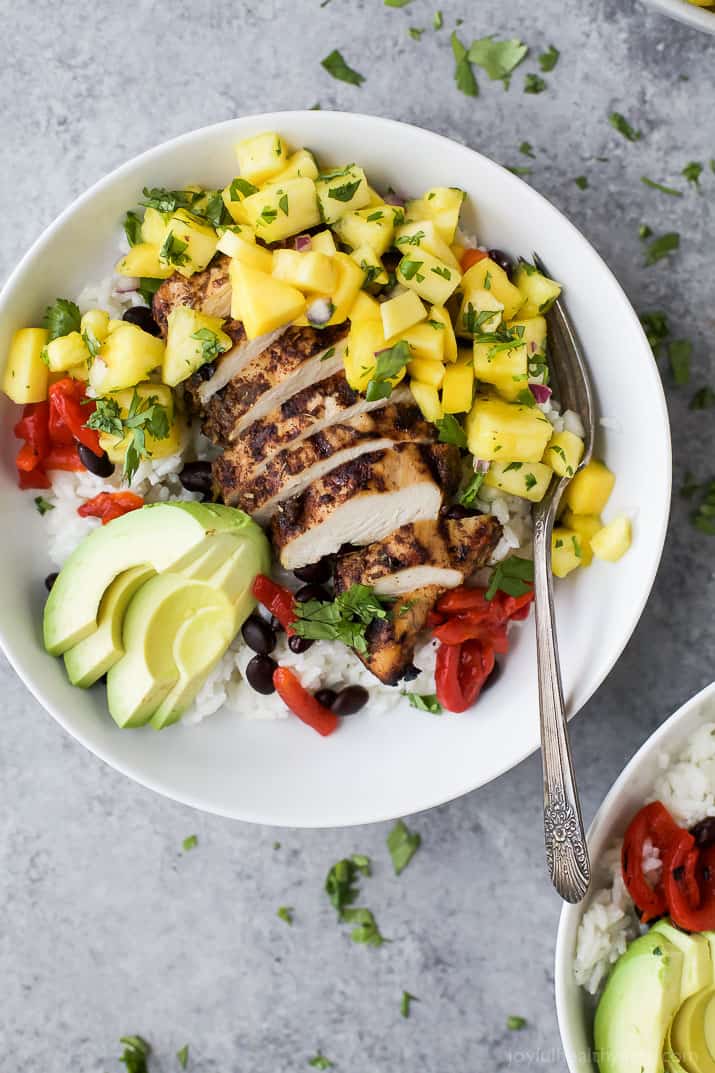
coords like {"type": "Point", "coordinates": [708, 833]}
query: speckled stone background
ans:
{"type": "Point", "coordinates": [107, 927]}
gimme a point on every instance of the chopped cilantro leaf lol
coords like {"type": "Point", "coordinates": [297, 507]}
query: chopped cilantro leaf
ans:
{"type": "Point", "coordinates": [42, 505]}
{"type": "Point", "coordinates": [692, 172]}
{"type": "Point", "coordinates": [463, 73]}
{"type": "Point", "coordinates": [211, 345]}
{"type": "Point", "coordinates": [498, 59]}
{"type": "Point", "coordinates": [191, 842]}
{"type": "Point", "coordinates": [514, 576]}
{"type": "Point", "coordinates": [415, 33]}
{"type": "Point", "coordinates": [527, 149]}
{"type": "Point", "coordinates": [471, 491]}
{"type": "Point", "coordinates": [438, 20]}
{"type": "Point", "coordinates": [621, 124]}
{"type": "Point", "coordinates": [135, 1053]}
{"type": "Point", "coordinates": [534, 84]}
{"type": "Point", "coordinates": [173, 250]}
{"type": "Point", "coordinates": [341, 881]}
{"type": "Point", "coordinates": [655, 326]}
{"type": "Point", "coordinates": [91, 341]}
{"type": "Point", "coordinates": [661, 246]}
{"type": "Point", "coordinates": [319, 1061]}
{"type": "Point", "coordinates": [519, 170]}
{"type": "Point", "coordinates": [344, 193]}
{"type": "Point", "coordinates": [402, 844]}
{"type": "Point", "coordinates": [659, 186]}
{"type": "Point", "coordinates": [549, 58]}
{"type": "Point", "coordinates": [61, 318]}
{"type": "Point", "coordinates": [389, 363]}
{"type": "Point", "coordinates": [397, 3]}
{"type": "Point", "coordinates": [241, 188]}
{"type": "Point", "coordinates": [345, 618]}
{"type": "Point", "coordinates": [407, 998]}
{"type": "Point", "coordinates": [581, 182]}
{"type": "Point", "coordinates": [424, 702]}
{"type": "Point", "coordinates": [133, 228]}
{"type": "Point", "coordinates": [703, 517]}
{"type": "Point", "coordinates": [336, 66]}
{"type": "Point", "coordinates": [515, 1023]}
{"type": "Point", "coordinates": [148, 287]}
{"type": "Point", "coordinates": [168, 200]}
{"type": "Point", "coordinates": [182, 1056]}
{"type": "Point", "coordinates": [703, 399]}
{"type": "Point", "coordinates": [679, 354]}
{"type": "Point", "coordinates": [451, 431]}
{"type": "Point", "coordinates": [366, 929]}
{"type": "Point", "coordinates": [285, 913]}
{"type": "Point", "coordinates": [644, 232]}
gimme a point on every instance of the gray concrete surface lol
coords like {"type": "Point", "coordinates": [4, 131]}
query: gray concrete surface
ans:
{"type": "Point", "coordinates": [107, 927]}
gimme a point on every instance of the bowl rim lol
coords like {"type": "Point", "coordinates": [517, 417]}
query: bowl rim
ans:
{"type": "Point", "coordinates": [698, 18]}
{"type": "Point", "coordinates": [13, 653]}
{"type": "Point", "coordinates": [599, 835]}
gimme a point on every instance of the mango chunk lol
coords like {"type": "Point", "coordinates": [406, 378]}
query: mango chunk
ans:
{"type": "Point", "coordinates": [439, 315]}
{"type": "Point", "coordinates": [441, 204]}
{"type": "Point", "coordinates": [282, 209]}
{"type": "Point", "coordinates": [371, 265]}
{"type": "Point", "coordinates": [566, 551]}
{"type": "Point", "coordinates": [487, 275]}
{"type": "Point", "coordinates": [564, 453]}
{"type": "Point", "coordinates": [192, 339]}
{"type": "Point", "coordinates": [301, 165]}
{"type": "Point", "coordinates": [311, 272]}
{"type": "Point", "coordinates": [613, 541]}
{"type": "Point", "coordinates": [426, 371]}
{"type": "Point", "coordinates": [143, 260]}
{"type": "Point", "coordinates": [497, 429]}
{"type": "Point", "coordinates": [586, 525]}
{"type": "Point", "coordinates": [424, 234]}
{"type": "Point", "coordinates": [590, 489]}
{"type": "Point", "coordinates": [457, 388]}
{"type": "Point", "coordinates": [261, 302]}
{"type": "Point", "coordinates": [529, 480]}
{"type": "Point", "coordinates": [365, 307]}
{"type": "Point", "coordinates": [342, 192]}
{"type": "Point", "coordinates": [188, 245]}
{"type": "Point", "coordinates": [243, 247]}
{"type": "Point", "coordinates": [126, 357]}
{"type": "Point", "coordinates": [324, 242]}
{"type": "Point", "coordinates": [424, 340]}
{"type": "Point", "coordinates": [402, 312]}
{"type": "Point", "coordinates": [427, 398]}
{"type": "Point", "coordinates": [65, 351]}
{"type": "Point", "coordinates": [261, 157]}
{"type": "Point", "coordinates": [350, 281]}
{"type": "Point", "coordinates": [95, 322]}
{"type": "Point", "coordinates": [427, 276]}
{"type": "Point", "coordinates": [373, 227]}
{"type": "Point", "coordinates": [365, 339]}
{"type": "Point", "coordinates": [25, 378]}
{"type": "Point", "coordinates": [539, 292]}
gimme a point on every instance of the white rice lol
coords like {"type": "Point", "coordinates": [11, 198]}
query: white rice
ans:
{"type": "Point", "coordinates": [686, 786]}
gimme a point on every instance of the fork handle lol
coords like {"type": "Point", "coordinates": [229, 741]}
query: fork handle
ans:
{"type": "Point", "coordinates": [566, 849]}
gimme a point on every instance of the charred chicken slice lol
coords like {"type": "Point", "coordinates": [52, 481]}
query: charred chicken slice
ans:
{"type": "Point", "coordinates": [208, 291]}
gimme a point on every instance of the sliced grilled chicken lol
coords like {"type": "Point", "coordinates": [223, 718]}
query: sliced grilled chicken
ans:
{"type": "Point", "coordinates": [442, 552]}
{"type": "Point", "coordinates": [391, 641]}
{"type": "Point", "coordinates": [291, 471]}
{"type": "Point", "coordinates": [299, 359]}
{"type": "Point", "coordinates": [209, 291]}
{"type": "Point", "coordinates": [364, 500]}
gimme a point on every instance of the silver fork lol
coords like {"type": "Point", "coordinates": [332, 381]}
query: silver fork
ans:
{"type": "Point", "coordinates": [566, 849]}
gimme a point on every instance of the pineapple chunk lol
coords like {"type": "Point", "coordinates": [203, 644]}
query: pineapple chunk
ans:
{"type": "Point", "coordinates": [566, 551]}
{"type": "Point", "coordinates": [311, 272]}
{"type": "Point", "coordinates": [96, 322]}
{"type": "Point", "coordinates": [371, 265]}
{"type": "Point", "coordinates": [189, 244]}
{"type": "Point", "coordinates": [341, 192]}
{"type": "Point", "coordinates": [282, 209]}
{"type": "Point", "coordinates": [588, 492]}
{"type": "Point", "coordinates": [613, 541]}
{"type": "Point", "coordinates": [192, 339]}
{"type": "Point", "coordinates": [261, 157]}
{"type": "Point", "coordinates": [143, 260]}
{"type": "Point", "coordinates": [156, 448]}
{"type": "Point", "coordinates": [539, 292]}
{"type": "Point", "coordinates": [586, 525]}
{"type": "Point", "coordinates": [261, 302]}
{"type": "Point", "coordinates": [25, 378]}
{"type": "Point", "coordinates": [424, 234]}
{"type": "Point", "coordinates": [242, 247]}
{"type": "Point", "coordinates": [480, 311]}
{"type": "Point", "coordinates": [494, 365]}
{"type": "Point", "coordinates": [427, 398]}
{"type": "Point", "coordinates": [400, 313]}
{"type": "Point", "coordinates": [457, 388]}
{"type": "Point", "coordinates": [350, 281]}
{"type": "Point", "coordinates": [324, 242]}
{"type": "Point", "coordinates": [300, 165]}
{"type": "Point", "coordinates": [426, 371]}
{"type": "Point", "coordinates": [498, 429]}
{"type": "Point", "coordinates": [424, 340]}
{"type": "Point", "coordinates": [365, 307]}
{"type": "Point", "coordinates": [533, 336]}
{"type": "Point", "coordinates": [153, 227]}
{"type": "Point", "coordinates": [126, 357]}
{"type": "Point", "coordinates": [65, 351]}
{"type": "Point", "coordinates": [430, 278]}
{"type": "Point", "coordinates": [439, 315]}
{"type": "Point", "coordinates": [373, 227]}
{"type": "Point", "coordinates": [564, 452]}
{"type": "Point", "coordinates": [530, 480]}
{"type": "Point", "coordinates": [486, 275]}
{"type": "Point", "coordinates": [442, 204]}
{"type": "Point", "coordinates": [233, 197]}
{"type": "Point", "coordinates": [366, 338]}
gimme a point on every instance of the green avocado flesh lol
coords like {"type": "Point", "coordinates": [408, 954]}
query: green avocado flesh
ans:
{"type": "Point", "coordinates": [657, 1011]}
{"type": "Point", "coordinates": [153, 600]}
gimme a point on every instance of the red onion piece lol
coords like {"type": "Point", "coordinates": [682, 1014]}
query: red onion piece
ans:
{"type": "Point", "coordinates": [541, 392]}
{"type": "Point", "coordinates": [394, 199]}
{"type": "Point", "coordinates": [303, 243]}
{"type": "Point", "coordinates": [125, 284]}
{"type": "Point", "coordinates": [320, 311]}
{"type": "Point", "coordinates": [480, 465]}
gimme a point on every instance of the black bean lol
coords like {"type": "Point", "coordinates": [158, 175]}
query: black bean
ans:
{"type": "Point", "coordinates": [502, 259]}
{"type": "Point", "coordinates": [704, 831]}
{"type": "Point", "coordinates": [326, 697]}
{"type": "Point", "coordinates": [457, 512]}
{"type": "Point", "coordinates": [410, 673]}
{"type": "Point", "coordinates": [99, 465]}
{"type": "Point", "coordinates": [350, 700]}
{"type": "Point", "coordinates": [312, 592]}
{"type": "Point", "coordinates": [196, 477]}
{"type": "Point", "coordinates": [50, 580]}
{"type": "Point", "coordinates": [142, 317]}
{"type": "Point", "coordinates": [258, 635]}
{"type": "Point", "coordinates": [259, 674]}
{"type": "Point", "coordinates": [316, 573]}
{"type": "Point", "coordinates": [299, 644]}
{"type": "Point", "coordinates": [493, 676]}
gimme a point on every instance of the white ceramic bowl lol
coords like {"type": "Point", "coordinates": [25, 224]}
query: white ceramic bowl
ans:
{"type": "Point", "coordinates": [692, 15]}
{"type": "Point", "coordinates": [628, 793]}
{"type": "Point", "coordinates": [281, 772]}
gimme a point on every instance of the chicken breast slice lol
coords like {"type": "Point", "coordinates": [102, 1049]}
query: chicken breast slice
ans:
{"type": "Point", "coordinates": [208, 291]}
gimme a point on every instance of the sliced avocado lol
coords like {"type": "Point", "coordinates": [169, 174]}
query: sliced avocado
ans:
{"type": "Point", "coordinates": [688, 1036]}
{"type": "Point", "coordinates": [162, 535]}
{"type": "Point", "coordinates": [697, 963]}
{"type": "Point", "coordinates": [88, 660]}
{"type": "Point", "coordinates": [636, 1007]}
{"type": "Point", "coordinates": [174, 630]}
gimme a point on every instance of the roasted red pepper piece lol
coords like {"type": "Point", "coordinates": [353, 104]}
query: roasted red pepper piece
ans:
{"type": "Point", "coordinates": [302, 703]}
{"type": "Point", "coordinates": [471, 257]}
{"type": "Point", "coordinates": [69, 412]}
{"type": "Point", "coordinates": [63, 457]}
{"type": "Point", "coordinates": [34, 478]}
{"type": "Point", "coordinates": [461, 672]}
{"type": "Point", "coordinates": [110, 505]}
{"type": "Point", "coordinates": [652, 822]}
{"type": "Point", "coordinates": [689, 881]}
{"type": "Point", "coordinates": [276, 599]}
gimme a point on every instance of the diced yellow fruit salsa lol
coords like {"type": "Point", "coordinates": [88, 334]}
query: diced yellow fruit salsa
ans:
{"type": "Point", "coordinates": [463, 328]}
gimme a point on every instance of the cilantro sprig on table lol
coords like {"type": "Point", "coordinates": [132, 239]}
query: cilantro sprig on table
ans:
{"type": "Point", "coordinates": [402, 844]}
{"type": "Point", "coordinates": [341, 886]}
{"type": "Point", "coordinates": [335, 64]}
{"type": "Point", "coordinates": [145, 415]}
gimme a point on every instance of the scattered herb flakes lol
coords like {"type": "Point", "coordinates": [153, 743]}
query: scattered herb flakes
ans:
{"type": "Point", "coordinates": [438, 20]}
{"type": "Point", "coordinates": [285, 913]}
{"type": "Point", "coordinates": [581, 182]}
{"type": "Point", "coordinates": [241, 188]}
{"type": "Point", "coordinates": [514, 576]}
{"type": "Point", "coordinates": [366, 930]}
{"type": "Point", "coordinates": [173, 250]}
{"type": "Point", "coordinates": [415, 33]}
{"type": "Point", "coordinates": [319, 1061]}
{"type": "Point", "coordinates": [402, 844]}
{"type": "Point", "coordinates": [661, 246]}
{"type": "Point", "coordinates": [644, 232]}
{"type": "Point", "coordinates": [133, 228]}
{"type": "Point", "coordinates": [397, 3]}
{"type": "Point", "coordinates": [621, 124]}
{"type": "Point", "coordinates": [190, 843]}
{"type": "Point", "coordinates": [345, 618]}
{"type": "Point", "coordinates": [463, 73]}
{"type": "Point", "coordinates": [679, 354]}
{"type": "Point", "coordinates": [135, 1053]}
{"type": "Point", "coordinates": [692, 172]}
{"type": "Point", "coordinates": [703, 399]}
{"type": "Point", "coordinates": [341, 880]}
{"type": "Point", "coordinates": [42, 505]}
{"type": "Point", "coordinates": [514, 1023]}
{"type": "Point", "coordinates": [655, 326]}
{"type": "Point", "coordinates": [336, 66]}
{"type": "Point", "coordinates": [276, 845]}
{"type": "Point", "coordinates": [527, 149]}
{"type": "Point", "coordinates": [471, 491]}
{"type": "Point", "coordinates": [534, 84]}
{"type": "Point", "coordinates": [689, 486]}
{"type": "Point", "coordinates": [549, 58]}
{"type": "Point", "coordinates": [498, 59]}
{"type": "Point", "coordinates": [424, 702]}
{"type": "Point", "coordinates": [157, 197]}
{"type": "Point", "coordinates": [659, 186]}
{"type": "Point", "coordinates": [344, 193]}
{"type": "Point", "coordinates": [148, 287]}
{"type": "Point", "coordinates": [211, 346]}
{"type": "Point", "coordinates": [183, 1056]}
{"type": "Point", "coordinates": [703, 517]}
{"type": "Point", "coordinates": [405, 1001]}
{"type": "Point", "coordinates": [519, 170]}
{"type": "Point", "coordinates": [391, 361]}
{"type": "Point", "coordinates": [451, 431]}
{"type": "Point", "coordinates": [61, 318]}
